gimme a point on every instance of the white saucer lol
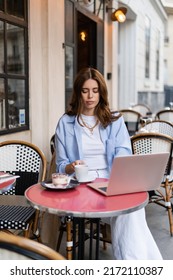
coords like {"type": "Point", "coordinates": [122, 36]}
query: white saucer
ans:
{"type": "Point", "coordinates": [88, 179]}
{"type": "Point", "coordinates": [49, 185]}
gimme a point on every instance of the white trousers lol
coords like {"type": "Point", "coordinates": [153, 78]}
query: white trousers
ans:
{"type": "Point", "coordinates": [131, 237]}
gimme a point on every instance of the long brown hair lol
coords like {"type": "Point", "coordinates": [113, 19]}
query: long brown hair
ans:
{"type": "Point", "coordinates": [102, 110]}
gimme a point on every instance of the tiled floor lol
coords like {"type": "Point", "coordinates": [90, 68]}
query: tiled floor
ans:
{"type": "Point", "coordinates": [158, 223]}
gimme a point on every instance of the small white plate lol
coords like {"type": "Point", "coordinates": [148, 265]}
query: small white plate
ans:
{"type": "Point", "coordinates": [53, 187]}
{"type": "Point", "coordinates": [48, 184]}
{"type": "Point", "coordinates": [88, 179]}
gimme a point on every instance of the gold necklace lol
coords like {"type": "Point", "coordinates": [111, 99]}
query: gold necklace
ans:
{"type": "Point", "coordinates": [90, 128]}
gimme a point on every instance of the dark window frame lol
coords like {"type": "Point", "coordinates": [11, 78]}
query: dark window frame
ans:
{"type": "Point", "coordinates": [20, 22]}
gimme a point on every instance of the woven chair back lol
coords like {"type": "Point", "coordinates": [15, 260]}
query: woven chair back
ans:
{"type": "Point", "coordinates": [143, 109]}
{"type": "Point", "coordinates": [165, 115]}
{"type": "Point", "coordinates": [159, 126]}
{"type": "Point", "coordinates": [132, 120]}
{"type": "Point", "coordinates": [150, 143]}
{"type": "Point", "coordinates": [23, 159]}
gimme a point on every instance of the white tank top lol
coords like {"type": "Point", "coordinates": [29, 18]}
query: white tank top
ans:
{"type": "Point", "coordinates": [93, 148]}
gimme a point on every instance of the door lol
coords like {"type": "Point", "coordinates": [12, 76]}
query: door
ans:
{"type": "Point", "coordinates": [84, 43]}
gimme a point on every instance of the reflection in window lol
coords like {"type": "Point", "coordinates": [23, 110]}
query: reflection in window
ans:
{"type": "Point", "coordinates": [147, 46]}
{"type": "Point", "coordinates": [2, 104]}
{"type": "Point", "coordinates": [157, 54]}
{"type": "Point", "coordinates": [1, 47]}
{"type": "Point", "coordinates": [15, 49]}
{"type": "Point", "coordinates": [16, 101]}
{"type": "Point", "coordinates": [69, 67]}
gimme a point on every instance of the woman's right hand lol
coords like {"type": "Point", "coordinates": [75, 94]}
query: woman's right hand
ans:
{"type": "Point", "coordinates": [69, 169]}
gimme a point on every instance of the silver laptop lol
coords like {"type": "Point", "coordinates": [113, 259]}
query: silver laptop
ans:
{"type": "Point", "coordinates": [134, 173]}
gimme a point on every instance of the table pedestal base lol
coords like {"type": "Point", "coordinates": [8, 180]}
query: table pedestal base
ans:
{"type": "Point", "coordinates": [77, 236]}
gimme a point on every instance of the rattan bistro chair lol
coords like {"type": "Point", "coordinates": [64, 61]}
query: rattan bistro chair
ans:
{"type": "Point", "coordinates": [52, 144]}
{"type": "Point", "coordinates": [143, 109]}
{"type": "Point", "coordinates": [165, 114]}
{"type": "Point", "coordinates": [20, 248]}
{"type": "Point", "coordinates": [150, 143]}
{"type": "Point", "coordinates": [132, 120]}
{"type": "Point", "coordinates": [26, 160]}
{"type": "Point", "coordinates": [158, 126]}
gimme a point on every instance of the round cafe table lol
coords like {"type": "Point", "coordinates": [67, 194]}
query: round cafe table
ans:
{"type": "Point", "coordinates": [83, 202]}
{"type": "Point", "coordinates": [6, 185]}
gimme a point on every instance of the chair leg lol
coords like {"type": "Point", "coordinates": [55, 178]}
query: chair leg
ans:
{"type": "Point", "coordinates": [36, 219]}
{"type": "Point", "coordinates": [106, 235]}
{"type": "Point", "coordinates": [66, 226]}
{"type": "Point", "coordinates": [168, 191]}
{"type": "Point", "coordinates": [35, 229]}
{"type": "Point", "coordinates": [61, 231]}
{"type": "Point", "coordinates": [27, 232]}
{"type": "Point", "coordinates": [69, 245]}
{"type": "Point", "coordinates": [170, 220]}
{"type": "Point", "coordinates": [103, 231]}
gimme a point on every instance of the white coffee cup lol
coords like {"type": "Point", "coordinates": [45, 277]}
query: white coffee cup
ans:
{"type": "Point", "coordinates": [81, 171]}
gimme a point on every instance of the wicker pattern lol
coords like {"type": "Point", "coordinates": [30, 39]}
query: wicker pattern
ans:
{"type": "Point", "coordinates": [26, 160]}
{"type": "Point", "coordinates": [150, 143]}
{"type": "Point", "coordinates": [11, 191]}
{"type": "Point", "coordinates": [26, 180]}
{"type": "Point", "coordinates": [12, 219]}
{"type": "Point", "coordinates": [147, 145]}
{"type": "Point", "coordinates": [159, 126]}
{"type": "Point", "coordinates": [19, 157]}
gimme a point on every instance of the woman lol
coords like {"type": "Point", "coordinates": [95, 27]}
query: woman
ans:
{"type": "Point", "coordinates": [90, 133]}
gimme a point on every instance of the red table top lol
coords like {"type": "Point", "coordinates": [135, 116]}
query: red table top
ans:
{"type": "Point", "coordinates": [82, 201]}
{"type": "Point", "coordinates": [4, 186]}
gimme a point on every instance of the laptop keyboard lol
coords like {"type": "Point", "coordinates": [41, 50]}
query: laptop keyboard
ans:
{"type": "Point", "coordinates": [103, 189]}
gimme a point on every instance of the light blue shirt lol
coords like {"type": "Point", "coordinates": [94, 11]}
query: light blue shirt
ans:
{"type": "Point", "coordinates": [68, 141]}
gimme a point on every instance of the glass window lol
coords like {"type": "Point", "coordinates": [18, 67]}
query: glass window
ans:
{"type": "Point", "coordinates": [15, 7]}
{"type": "Point", "coordinates": [69, 67]}
{"type": "Point", "coordinates": [14, 100]}
{"type": "Point", "coordinates": [147, 46]}
{"type": "Point", "coordinates": [1, 47]}
{"type": "Point", "coordinates": [1, 5]}
{"type": "Point", "coordinates": [2, 104]}
{"type": "Point", "coordinates": [157, 54]}
{"type": "Point", "coordinates": [15, 49]}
